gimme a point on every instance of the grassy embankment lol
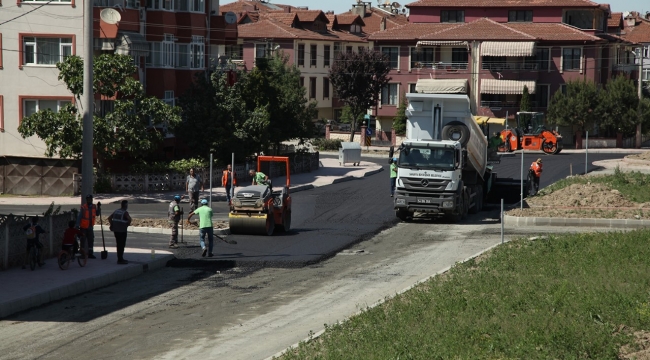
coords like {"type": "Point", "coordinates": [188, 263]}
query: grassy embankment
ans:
{"type": "Point", "coordinates": [564, 297]}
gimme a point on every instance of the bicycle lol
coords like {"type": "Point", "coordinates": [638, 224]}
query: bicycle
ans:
{"type": "Point", "coordinates": [68, 254]}
{"type": "Point", "coordinates": [34, 254]}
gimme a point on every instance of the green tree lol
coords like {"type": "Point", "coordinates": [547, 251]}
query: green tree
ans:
{"type": "Point", "coordinates": [347, 117]}
{"type": "Point", "coordinates": [524, 104]}
{"type": "Point", "coordinates": [357, 78]}
{"type": "Point", "coordinates": [618, 106]}
{"type": "Point", "coordinates": [272, 92]}
{"type": "Point", "coordinates": [579, 107]}
{"type": "Point", "coordinates": [137, 123]}
{"type": "Point", "coordinates": [399, 122]}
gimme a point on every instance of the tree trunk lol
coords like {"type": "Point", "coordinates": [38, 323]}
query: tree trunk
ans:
{"type": "Point", "coordinates": [353, 129]}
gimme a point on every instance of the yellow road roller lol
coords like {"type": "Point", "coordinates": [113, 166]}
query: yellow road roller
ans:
{"type": "Point", "coordinates": [258, 210]}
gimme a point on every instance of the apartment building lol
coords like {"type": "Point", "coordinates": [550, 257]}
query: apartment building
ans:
{"type": "Point", "coordinates": [311, 39]}
{"type": "Point", "coordinates": [169, 41]}
{"type": "Point", "coordinates": [492, 49]}
{"type": "Point", "coordinates": [636, 28]}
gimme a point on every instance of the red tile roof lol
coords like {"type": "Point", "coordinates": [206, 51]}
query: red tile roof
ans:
{"type": "Point", "coordinates": [639, 33]}
{"type": "Point", "coordinates": [271, 28]}
{"type": "Point", "coordinates": [615, 20]}
{"type": "Point", "coordinates": [373, 17]}
{"type": "Point", "coordinates": [349, 19]}
{"type": "Point", "coordinates": [553, 32]}
{"type": "Point", "coordinates": [481, 29]}
{"type": "Point", "coordinates": [504, 3]}
{"type": "Point", "coordinates": [484, 29]}
{"type": "Point", "coordinates": [239, 6]}
{"type": "Point", "coordinates": [283, 17]}
{"type": "Point", "coordinates": [310, 15]}
{"type": "Point", "coordinates": [409, 31]}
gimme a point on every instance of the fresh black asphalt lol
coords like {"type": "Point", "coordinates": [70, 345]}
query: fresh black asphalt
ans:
{"type": "Point", "coordinates": [325, 220]}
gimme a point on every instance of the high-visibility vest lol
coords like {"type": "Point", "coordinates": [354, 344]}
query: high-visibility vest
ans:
{"type": "Point", "coordinates": [120, 224]}
{"type": "Point", "coordinates": [537, 169]}
{"type": "Point", "coordinates": [87, 217]}
{"type": "Point", "coordinates": [226, 177]}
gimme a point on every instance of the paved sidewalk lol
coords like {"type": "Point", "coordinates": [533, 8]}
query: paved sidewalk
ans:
{"type": "Point", "coordinates": [328, 173]}
{"type": "Point", "coordinates": [24, 289]}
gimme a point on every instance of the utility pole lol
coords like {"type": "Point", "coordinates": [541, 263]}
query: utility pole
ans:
{"type": "Point", "coordinates": [640, 94]}
{"type": "Point", "coordinates": [87, 175]}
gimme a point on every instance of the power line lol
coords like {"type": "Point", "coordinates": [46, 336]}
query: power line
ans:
{"type": "Point", "coordinates": [21, 15]}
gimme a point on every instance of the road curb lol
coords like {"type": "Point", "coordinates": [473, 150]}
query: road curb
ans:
{"type": "Point", "coordinates": [150, 230]}
{"type": "Point", "coordinates": [571, 222]}
{"type": "Point", "coordinates": [343, 179]}
{"type": "Point", "coordinates": [373, 172]}
{"type": "Point", "coordinates": [82, 286]}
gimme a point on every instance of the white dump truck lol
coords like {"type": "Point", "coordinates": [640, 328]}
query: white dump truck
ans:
{"type": "Point", "coordinates": [442, 165]}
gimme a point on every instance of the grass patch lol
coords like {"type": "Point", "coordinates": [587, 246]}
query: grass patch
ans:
{"type": "Point", "coordinates": [632, 185]}
{"type": "Point", "coordinates": [563, 297]}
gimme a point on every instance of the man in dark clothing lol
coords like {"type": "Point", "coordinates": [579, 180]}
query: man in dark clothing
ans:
{"type": "Point", "coordinates": [120, 221]}
{"type": "Point", "coordinates": [33, 232]}
{"type": "Point", "coordinates": [174, 213]}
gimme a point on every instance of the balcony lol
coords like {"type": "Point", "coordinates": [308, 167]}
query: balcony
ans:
{"type": "Point", "coordinates": [439, 65]}
{"type": "Point", "coordinates": [506, 104]}
{"type": "Point", "coordinates": [509, 66]}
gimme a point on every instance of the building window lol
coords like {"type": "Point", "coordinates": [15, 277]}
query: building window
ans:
{"type": "Point", "coordinates": [169, 98]}
{"type": "Point", "coordinates": [543, 57]}
{"type": "Point", "coordinates": [45, 1]}
{"type": "Point", "coordinates": [302, 82]}
{"type": "Point", "coordinates": [197, 52]}
{"type": "Point", "coordinates": [337, 50]}
{"type": "Point", "coordinates": [646, 75]}
{"type": "Point", "coordinates": [313, 55]}
{"type": "Point", "coordinates": [355, 29]}
{"type": "Point", "coordinates": [326, 88]}
{"type": "Point", "coordinates": [348, 49]}
{"type": "Point", "coordinates": [46, 51]}
{"type": "Point", "coordinates": [412, 89]}
{"type": "Point", "coordinates": [326, 55]}
{"type": "Point", "coordinates": [131, 4]}
{"type": "Point", "coordinates": [563, 89]}
{"type": "Point", "coordinates": [520, 16]}
{"type": "Point", "coordinates": [260, 51]}
{"type": "Point", "coordinates": [389, 94]}
{"type": "Point", "coordinates": [459, 56]}
{"type": "Point", "coordinates": [167, 51]}
{"type": "Point", "coordinates": [183, 56]}
{"type": "Point", "coordinates": [542, 96]}
{"type": "Point", "coordinates": [421, 57]}
{"type": "Point", "coordinates": [452, 16]}
{"type": "Point", "coordinates": [360, 48]}
{"type": "Point", "coordinates": [312, 88]}
{"type": "Point", "coordinates": [197, 6]}
{"type": "Point", "coordinates": [571, 58]}
{"type": "Point", "coordinates": [32, 106]}
{"type": "Point", "coordinates": [646, 52]}
{"type": "Point", "coordinates": [235, 52]}
{"type": "Point", "coordinates": [393, 55]}
{"type": "Point", "coordinates": [301, 54]}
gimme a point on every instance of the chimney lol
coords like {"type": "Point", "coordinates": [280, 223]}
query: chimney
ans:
{"type": "Point", "coordinates": [359, 9]}
{"type": "Point", "coordinates": [382, 24]}
{"type": "Point", "coordinates": [630, 21]}
{"type": "Point", "coordinates": [647, 15]}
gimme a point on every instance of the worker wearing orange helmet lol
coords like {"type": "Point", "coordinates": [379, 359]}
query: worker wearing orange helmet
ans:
{"type": "Point", "coordinates": [536, 172]}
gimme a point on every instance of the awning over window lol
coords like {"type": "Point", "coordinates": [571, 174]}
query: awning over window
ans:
{"type": "Point", "coordinates": [482, 120]}
{"type": "Point", "coordinates": [508, 48]}
{"type": "Point", "coordinates": [441, 86]}
{"type": "Point", "coordinates": [512, 87]}
{"type": "Point", "coordinates": [130, 43]}
{"type": "Point", "coordinates": [441, 43]}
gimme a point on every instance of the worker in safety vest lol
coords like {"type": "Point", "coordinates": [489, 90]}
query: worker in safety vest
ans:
{"type": "Point", "coordinates": [120, 221]}
{"type": "Point", "coordinates": [86, 223]}
{"type": "Point", "coordinates": [536, 174]}
{"type": "Point", "coordinates": [226, 182]}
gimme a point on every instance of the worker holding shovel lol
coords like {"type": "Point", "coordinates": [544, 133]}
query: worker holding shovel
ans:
{"type": "Point", "coordinates": [535, 173]}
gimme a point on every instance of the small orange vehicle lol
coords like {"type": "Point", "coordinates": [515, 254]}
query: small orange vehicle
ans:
{"type": "Point", "coordinates": [531, 134]}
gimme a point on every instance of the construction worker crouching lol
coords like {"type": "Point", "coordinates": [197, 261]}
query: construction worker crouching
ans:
{"type": "Point", "coordinates": [259, 178]}
{"type": "Point", "coordinates": [536, 173]}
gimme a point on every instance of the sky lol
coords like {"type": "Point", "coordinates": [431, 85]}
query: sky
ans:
{"type": "Point", "coordinates": [339, 6]}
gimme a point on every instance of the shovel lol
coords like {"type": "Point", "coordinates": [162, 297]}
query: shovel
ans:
{"type": "Point", "coordinates": [182, 226]}
{"type": "Point", "coordinates": [104, 254]}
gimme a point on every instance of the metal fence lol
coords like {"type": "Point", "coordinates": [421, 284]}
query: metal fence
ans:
{"type": "Point", "coordinates": [13, 240]}
{"type": "Point", "coordinates": [145, 183]}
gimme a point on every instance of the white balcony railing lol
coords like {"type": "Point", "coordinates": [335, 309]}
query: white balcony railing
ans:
{"type": "Point", "coordinates": [439, 65]}
{"type": "Point", "coordinates": [509, 66]}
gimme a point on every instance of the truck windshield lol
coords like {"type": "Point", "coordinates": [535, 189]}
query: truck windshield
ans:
{"type": "Point", "coordinates": [441, 159]}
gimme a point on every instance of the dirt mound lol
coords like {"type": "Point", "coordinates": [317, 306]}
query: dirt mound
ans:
{"type": "Point", "coordinates": [584, 201]}
{"type": "Point", "coordinates": [164, 223]}
{"type": "Point", "coordinates": [642, 156]}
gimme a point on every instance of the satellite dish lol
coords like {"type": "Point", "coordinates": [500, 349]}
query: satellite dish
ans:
{"type": "Point", "coordinates": [230, 17]}
{"type": "Point", "coordinates": [110, 16]}
{"type": "Point", "coordinates": [396, 5]}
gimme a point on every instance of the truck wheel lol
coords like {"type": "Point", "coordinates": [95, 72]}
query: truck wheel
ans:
{"type": "Point", "coordinates": [457, 132]}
